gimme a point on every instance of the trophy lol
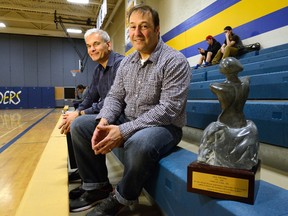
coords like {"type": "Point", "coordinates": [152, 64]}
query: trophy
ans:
{"type": "Point", "coordinates": [227, 166]}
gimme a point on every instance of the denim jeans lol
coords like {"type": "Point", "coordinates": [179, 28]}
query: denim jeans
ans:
{"type": "Point", "coordinates": [142, 151]}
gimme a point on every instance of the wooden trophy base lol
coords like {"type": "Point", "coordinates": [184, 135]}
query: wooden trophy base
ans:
{"type": "Point", "coordinates": [224, 183]}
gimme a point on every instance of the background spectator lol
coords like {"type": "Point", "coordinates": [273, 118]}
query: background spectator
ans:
{"type": "Point", "coordinates": [230, 46]}
{"type": "Point", "coordinates": [208, 54]}
{"type": "Point", "coordinates": [80, 94]}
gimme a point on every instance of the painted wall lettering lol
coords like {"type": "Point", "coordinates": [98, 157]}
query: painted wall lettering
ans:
{"type": "Point", "coordinates": [10, 97]}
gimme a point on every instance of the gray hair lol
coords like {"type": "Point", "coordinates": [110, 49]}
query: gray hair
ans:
{"type": "Point", "coordinates": [103, 34]}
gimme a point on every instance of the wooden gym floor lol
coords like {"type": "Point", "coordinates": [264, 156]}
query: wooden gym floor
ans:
{"type": "Point", "coordinates": [23, 137]}
{"type": "Point", "coordinates": [24, 134]}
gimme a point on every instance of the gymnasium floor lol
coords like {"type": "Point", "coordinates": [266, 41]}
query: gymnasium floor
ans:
{"type": "Point", "coordinates": [23, 137]}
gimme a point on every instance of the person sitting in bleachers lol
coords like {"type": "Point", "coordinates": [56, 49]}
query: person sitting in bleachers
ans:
{"type": "Point", "coordinates": [100, 50]}
{"type": "Point", "coordinates": [208, 54]}
{"type": "Point", "coordinates": [150, 88]}
{"type": "Point", "coordinates": [230, 47]}
{"type": "Point", "coordinates": [80, 94]}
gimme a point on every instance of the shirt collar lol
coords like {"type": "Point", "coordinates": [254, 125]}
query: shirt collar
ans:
{"type": "Point", "coordinates": [154, 55]}
{"type": "Point", "coordinates": [111, 59]}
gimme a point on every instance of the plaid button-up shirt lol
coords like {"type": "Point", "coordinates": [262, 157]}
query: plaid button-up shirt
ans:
{"type": "Point", "coordinates": [150, 94]}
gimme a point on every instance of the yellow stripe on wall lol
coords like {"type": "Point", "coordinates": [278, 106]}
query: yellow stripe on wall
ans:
{"type": "Point", "coordinates": [130, 51]}
{"type": "Point", "coordinates": [243, 12]}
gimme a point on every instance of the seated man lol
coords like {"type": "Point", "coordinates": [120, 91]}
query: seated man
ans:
{"type": "Point", "coordinates": [80, 94]}
{"type": "Point", "coordinates": [100, 50]}
{"type": "Point", "coordinates": [208, 55]}
{"type": "Point", "coordinates": [151, 88]}
{"type": "Point", "coordinates": [230, 46]}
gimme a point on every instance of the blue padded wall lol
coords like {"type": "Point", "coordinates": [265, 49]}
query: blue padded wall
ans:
{"type": "Point", "coordinates": [27, 97]}
{"type": "Point", "coordinates": [34, 97]}
{"type": "Point", "coordinates": [11, 97]}
{"type": "Point", "coordinates": [48, 97]}
{"type": "Point", "coordinates": [23, 104]}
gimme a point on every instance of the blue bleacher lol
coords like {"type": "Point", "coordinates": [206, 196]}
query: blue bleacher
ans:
{"type": "Point", "coordinates": [274, 48]}
{"type": "Point", "coordinates": [262, 86]}
{"type": "Point", "coordinates": [266, 106]}
{"type": "Point", "coordinates": [274, 60]}
{"type": "Point", "coordinates": [168, 187]}
{"type": "Point", "coordinates": [248, 55]}
{"type": "Point", "coordinates": [267, 102]}
{"type": "Point", "coordinates": [263, 57]}
{"type": "Point", "coordinates": [260, 67]}
{"type": "Point", "coordinates": [271, 118]}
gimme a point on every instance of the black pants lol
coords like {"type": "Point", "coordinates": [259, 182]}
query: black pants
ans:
{"type": "Point", "coordinates": [72, 160]}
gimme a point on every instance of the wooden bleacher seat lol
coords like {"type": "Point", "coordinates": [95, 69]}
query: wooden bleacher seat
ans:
{"type": "Point", "coordinates": [47, 191]}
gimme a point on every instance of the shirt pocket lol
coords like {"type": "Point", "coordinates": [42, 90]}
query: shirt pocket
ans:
{"type": "Point", "coordinates": [151, 92]}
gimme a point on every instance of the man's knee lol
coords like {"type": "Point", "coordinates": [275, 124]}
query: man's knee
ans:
{"type": "Point", "coordinates": [75, 124]}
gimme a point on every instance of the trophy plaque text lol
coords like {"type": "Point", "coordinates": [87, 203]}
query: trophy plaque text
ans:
{"type": "Point", "coordinates": [224, 183]}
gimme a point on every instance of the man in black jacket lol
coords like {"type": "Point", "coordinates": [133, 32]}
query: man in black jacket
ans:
{"type": "Point", "coordinates": [230, 47]}
{"type": "Point", "coordinates": [99, 48]}
{"type": "Point", "coordinates": [208, 55]}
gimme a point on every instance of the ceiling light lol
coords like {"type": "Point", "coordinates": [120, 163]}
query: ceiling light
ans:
{"type": "Point", "coordinates": [2, 25]}
{"type": "Point", "coordinates": [79, 1]}
{"type": "Point", "coordinates": [75, 31]}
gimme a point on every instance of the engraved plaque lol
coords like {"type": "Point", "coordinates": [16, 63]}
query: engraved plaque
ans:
{"type": "Point", "coordinates": [224, 183]}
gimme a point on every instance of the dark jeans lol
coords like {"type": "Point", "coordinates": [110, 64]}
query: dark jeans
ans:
{"type": "Point", "coordinates": [142, 151]}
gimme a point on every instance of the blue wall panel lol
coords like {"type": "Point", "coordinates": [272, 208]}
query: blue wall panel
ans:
{"type": "Point", "coordinates": [48, 97]}
{"type": "Point", "coordinates": [68, 55]}
{"type": "Point", "coordinates": [23, 96]}
{"type": "Point", "coordinates": [13, 98]}
{"type": "Point", "coordinates": [34, 61]}
{"type": "Point", "coordinates": [4, 61]}
{"type": "Point", "coordinates": [30, 62]}
{"type": "Point", "coordinates": [5, 98]}
{"type": "Point", "coordinates": [44, 62]}
{"type": "Point", "coordinates": [57, 69]}
{"type": "Point", "coordinates": [34, 97]}
{"type": "Point", "coordinates": [16, 61]}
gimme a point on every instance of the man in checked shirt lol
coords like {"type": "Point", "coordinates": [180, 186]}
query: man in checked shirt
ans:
{"type": "Point", "coordinates": [150, 88]}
